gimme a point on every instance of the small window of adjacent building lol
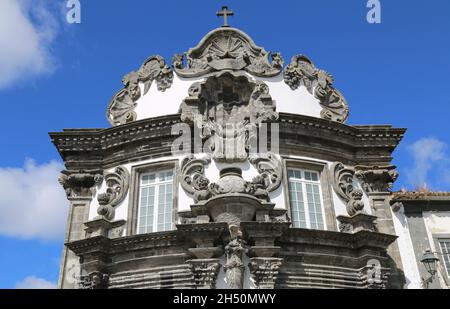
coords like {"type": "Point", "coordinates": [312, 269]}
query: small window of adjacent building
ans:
{"type": "Point", "coordinates": [445, 249]}
{"type": "Point", "coordinates": [306, 199]}
{"type": "Point", "coordinates": [155, 213]}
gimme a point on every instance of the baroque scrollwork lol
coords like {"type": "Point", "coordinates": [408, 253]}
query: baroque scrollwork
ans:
{"type": "Point", "coordinates": [270, 170]}
{"type": "Point", "coordinates": [122, 105]}
{"type": "Point", "coordinates": [194, 181]}
{"type": "Point", "coordinates": [117, 188]}
{"type": "Point", "coordinates": [227, 49]}
{"type": "Point", "coordinates": [343, 185]}
{"type": "Point", "coordinates": [302, 71]}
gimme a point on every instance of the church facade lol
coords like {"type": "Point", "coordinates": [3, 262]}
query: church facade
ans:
{"type": "Point", "coordinates": [229, 169]}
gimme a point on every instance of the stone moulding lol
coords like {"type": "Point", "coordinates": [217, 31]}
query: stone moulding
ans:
{"type": "Point", "coordinates": [105, 139]}
{"type": "Point", "coordinates": [117, 188]}
{"type": "Point", "coordinates": [227, 49]}
{"type": "Point", "coordinates": [122, 105]}
{"type": "Point", "coordinates": [302, 71]}
{"type": "Point", "coordinates": [343, 185]}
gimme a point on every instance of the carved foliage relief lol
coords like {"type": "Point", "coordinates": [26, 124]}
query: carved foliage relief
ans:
{"type": "Point", "coordinates": [154, 69]}
{"type": "Point", "coordinates": [302, 71]}
{"type": "Point", "coordinates": [227, 49]}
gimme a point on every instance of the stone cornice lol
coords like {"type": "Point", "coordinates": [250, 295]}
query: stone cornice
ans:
{"type": "Point", "coordinates": [330, 238]}
{"type": "Point", "coordinates": [135, 242]}
{"type": "Point", "coordinates": [152, 138]}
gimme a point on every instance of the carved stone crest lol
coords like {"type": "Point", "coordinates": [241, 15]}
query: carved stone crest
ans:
{"type": "Point", "coordinates": [302, 71]}
{"type": "Point", "coordinates": [226, 109]}
{"type": "Point", "coordinates": [122, 105]}
{"type": "Point", "coordinates": [227, 49]}
{"type": "Point", "coordinates": [343, 185]}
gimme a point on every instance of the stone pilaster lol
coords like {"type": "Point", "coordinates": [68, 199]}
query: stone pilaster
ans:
{"type": "Point", "coordinates": [80, 187]}
{"type": "Point", "coordinates": [377, 183]}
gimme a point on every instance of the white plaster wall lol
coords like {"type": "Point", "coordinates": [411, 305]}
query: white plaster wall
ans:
{"type": "Point", "coordinates": [437, 223]}
{"type": "Point", "coordinates": [212, 172]}
{"type": "Point", "coordinates": [410, 268]}
{"type": "Point", "coordinates": [156, 103]}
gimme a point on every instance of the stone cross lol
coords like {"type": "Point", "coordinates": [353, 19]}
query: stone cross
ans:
{"type": "Point", "coordinates": [225, 13]}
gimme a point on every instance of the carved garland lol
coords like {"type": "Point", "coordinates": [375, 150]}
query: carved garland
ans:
{"type": "Point", "coordinates": [302, 71]}
{"type": "Point", "coordinates": [121, 108]}
{"type": "Point", "coordinates": [118, 185]}
{"type": "Point", "coordinates": [343, 185]}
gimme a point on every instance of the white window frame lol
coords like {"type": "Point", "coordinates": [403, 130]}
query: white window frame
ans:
{"type": "Point", "coordinates": [444, 254]}
{"type": "Point", "coordinates": [303, 183]}
{"type": "Point", "coordinates": [156, 184]}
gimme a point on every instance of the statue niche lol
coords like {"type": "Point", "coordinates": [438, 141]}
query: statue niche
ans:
{"type": "Point", "coordinates": [227, 108]}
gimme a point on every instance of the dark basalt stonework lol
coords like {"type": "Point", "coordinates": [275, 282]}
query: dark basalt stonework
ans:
{"type": "Point", "coordinates": [291, 258]}
{"type": "Point", "coordinates": [192, 256]}
{"type": "Point", "coordinates": [89, 149]}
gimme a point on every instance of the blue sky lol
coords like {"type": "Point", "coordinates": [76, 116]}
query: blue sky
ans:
{"type": "Point", "coordinates": [55, 75]}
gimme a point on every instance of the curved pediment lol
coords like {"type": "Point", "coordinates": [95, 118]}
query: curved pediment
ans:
{"type": "Point", "coordinates": [227, 49]}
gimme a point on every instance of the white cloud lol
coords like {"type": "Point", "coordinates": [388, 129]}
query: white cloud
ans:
{"type": "Point", "coordinates": [27, 31]}
{"type": "Point", "coordinates": [35, 283]}
{"type": "Point", "coordinates": [33, 205]}
{"type": "Point", "coordinates": [431, 163]}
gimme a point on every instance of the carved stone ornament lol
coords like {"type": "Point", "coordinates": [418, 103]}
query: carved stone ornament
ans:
{"type": "Point", "coordinates": [302, 71]}
{"type": "Point", "coordinates": [205, 272]}
{"type": "Point", "coordinates": [377, 179]}
{"type": "Point", "coordinates": [343, 185]}
{"type": "Point", "coordinates": [94, 281]}
{"type": "Point", "coordinates": [118, 184]}
{"type": "Point", "coordinates": [265, 271]}
{"type": "Point", "coordinates": [234, 268]}
{"type": "Point", "coordinates": [227, 109]}
{"type": "Point", "coordinates": [227, 49]}
{"type": "Point", "coordinates": [80, 183]}
{"type": "Point", "coordinates": [194, 181]}
{"type": "Point", "coordinates": [122, 105]}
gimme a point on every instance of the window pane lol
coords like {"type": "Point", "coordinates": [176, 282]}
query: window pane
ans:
{"type": "Point", "coordinates": [305, 213]}
{"type": "Point", "coordinates": [445, 248]}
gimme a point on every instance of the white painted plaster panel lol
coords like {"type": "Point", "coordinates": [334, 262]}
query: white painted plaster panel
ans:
{"type": "Point", "coordinates": [410, 268]}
